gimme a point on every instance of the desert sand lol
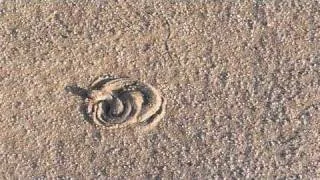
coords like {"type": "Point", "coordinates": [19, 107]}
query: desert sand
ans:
{"type": "Point", "coordinates": [241, 81]}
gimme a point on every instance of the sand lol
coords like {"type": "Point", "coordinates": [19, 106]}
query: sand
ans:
{"type": "Point", "coordinates": [241, 81]}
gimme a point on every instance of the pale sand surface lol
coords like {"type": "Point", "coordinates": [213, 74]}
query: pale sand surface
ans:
{"type": "Point", "coordinates": [242, 84]}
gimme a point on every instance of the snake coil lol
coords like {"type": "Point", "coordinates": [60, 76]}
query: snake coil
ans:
{"type": "Point", "coordinates": [118, 102]}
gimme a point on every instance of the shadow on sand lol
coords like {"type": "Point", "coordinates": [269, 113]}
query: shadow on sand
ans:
{"type": "Point", "coordinates": [83, 93]}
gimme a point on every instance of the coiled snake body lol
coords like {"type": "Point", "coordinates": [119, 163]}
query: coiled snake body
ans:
{"type": "Point", "coordinates": [119, 102]}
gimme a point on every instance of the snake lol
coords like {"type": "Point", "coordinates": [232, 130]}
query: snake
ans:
{"type": "Point", "coordinates": [116, 102]}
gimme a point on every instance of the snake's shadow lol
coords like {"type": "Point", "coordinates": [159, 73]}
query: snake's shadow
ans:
{"type": "Point", "coordinates": [83, 93]}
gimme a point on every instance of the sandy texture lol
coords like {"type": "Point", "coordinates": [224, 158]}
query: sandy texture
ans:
{"type": "Point", "coordinates": [241, 82]}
